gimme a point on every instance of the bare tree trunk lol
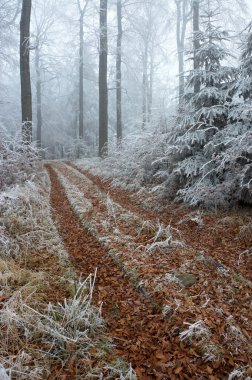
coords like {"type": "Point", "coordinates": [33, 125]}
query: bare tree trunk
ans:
{"type": "Point", "coordinates": [181, 74]}
{"type": "Point", "coordinates": [182, 20]}
{"type": "Point", "coordinates": [119, 72]}
{"type": "Point", "coordinates": [103, 86]}
{"type": "Point", "coordinates": [81, 72]}
{"type": "Point", "coordinates": [39, 98]}
{"type": "Point", "coordinates": [75, 120]}
{"type": "Point", "coordinates": [145, 85]}
{"type": "Point", "coordinates": [150, 85]}
{"type": "Point", "coordinates": [196, 42]}
{"type": "Point", "coordinates": [82, 11]}
{"type": "Point", "coordinates": [26, 97]}
{"type": "Point", "coordinates": [179, 50]}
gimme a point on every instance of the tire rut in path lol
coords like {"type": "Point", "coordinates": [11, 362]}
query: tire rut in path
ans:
{"type": "Point", "coordinates": [140, 336]}
{"type": "Point", "coordinates": [220, 245]}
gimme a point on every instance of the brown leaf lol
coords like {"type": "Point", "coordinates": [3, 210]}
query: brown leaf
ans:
{"type": "Point", "coordinates": [133, 347]}
{"type": "Point", "coordinates": [160, 356]}
{"type": "Point", "coordinates": [209, 370]}
{"type": "Point", "coordinates": [178, 370]}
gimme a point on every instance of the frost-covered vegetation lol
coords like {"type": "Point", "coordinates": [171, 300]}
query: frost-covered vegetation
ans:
{"type": "Point", "coordinates": [205, 157]}
{"type": "Point", "coordinates": [18, 162]}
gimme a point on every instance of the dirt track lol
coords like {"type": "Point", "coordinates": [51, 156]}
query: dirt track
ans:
{"type": "Point", "coordinates": [144, 335]}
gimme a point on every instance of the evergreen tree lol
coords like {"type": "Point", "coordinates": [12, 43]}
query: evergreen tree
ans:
{"type": "Point", "coordinates": [216, 135]}
{"type": "Point", "coordinates": [238, 134]}
{"type": "Point", "coordinates": [246, 66]}
{"type": "Point", "coordinates": [196, 141]}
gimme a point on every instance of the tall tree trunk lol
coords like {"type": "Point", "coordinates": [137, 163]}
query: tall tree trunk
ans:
{"type": "Point", "coordinates": [196, 42]}
{"type": "Point", "coordinates": [26, 97]}
{"type": "Point", "coordinates": [82, 10]}
{"type": "Point", "coordinates": [182, 20]}
{"type": "Point", "coordinates": [179, 50]}
{"type": "Point", "coordinates": [145, 85]}
{"type": "Point", "coordinates": [39, 98]}
{"type": "Point", "coordinates": [81, 89]}
{"type": "Point", "coordinates": [119, 72]}
{"type": "Point", "coordinates": [150, 85]}
{"type": "Point", "coordinates": [75, 120]}
{"type": "Point", "coordinates": [103, 86]}
{"type": "Point", "coordinates": [181, 74]}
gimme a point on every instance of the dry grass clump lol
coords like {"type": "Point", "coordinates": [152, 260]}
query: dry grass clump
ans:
{"type": "Point", "coordinates": [25, 220]}
{"type": "Point", "coordinates": [165, 237]}
{"type": "Point", "coordinates": [41, 335]}
{"type": "Point", "coordinates": [13, 276]}
{"type": "Point", "coordinates": [18, 162]}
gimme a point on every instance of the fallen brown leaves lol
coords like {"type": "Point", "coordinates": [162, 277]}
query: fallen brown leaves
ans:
{"type": "Point", "coordinates": [146, 330]}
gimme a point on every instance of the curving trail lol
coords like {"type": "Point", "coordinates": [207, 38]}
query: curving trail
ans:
{"type": "Point", "coordinates": [141, 333]}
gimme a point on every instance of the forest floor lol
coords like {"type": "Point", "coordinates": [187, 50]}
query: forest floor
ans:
{"type": "Point", "coordinates": [174, 284]}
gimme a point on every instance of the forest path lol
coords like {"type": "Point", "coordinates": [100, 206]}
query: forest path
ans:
{"type": "Point", "coordinates": [139, 335]}
{"type": "Point", "coordinates": [145, 325]}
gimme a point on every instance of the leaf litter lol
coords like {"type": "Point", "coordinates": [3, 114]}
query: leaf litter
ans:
{"type": "Point", "coordinates": [165, 328]}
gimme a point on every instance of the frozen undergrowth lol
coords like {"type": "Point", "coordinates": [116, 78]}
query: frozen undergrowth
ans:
{"type": "Point", "coordinates": [201, 334]}
{"type": "Point", "coordinates": [240, 374]}
{"type": "Point", "coordinates": [25, 220]}
{"type": "Point", "coordinates": [36, 335]}
{"type": "Point", "coordinates": [110, 169]}
{"type": "Point", "coordinates": [163, 238]}
{"type": "Point", "coordinates": [18, 163]}
{"type": "Point", "coordinates": [165, 170]}
{"type": "Point", "coordinates": [196, 330]}
{"type": "Point", "coordinates": [69, 328]}
{"type": "Point", "coordinates": [195, 217]}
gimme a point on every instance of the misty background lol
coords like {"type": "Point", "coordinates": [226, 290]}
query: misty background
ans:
{"type": "Point", "coordinates": [55, 58]}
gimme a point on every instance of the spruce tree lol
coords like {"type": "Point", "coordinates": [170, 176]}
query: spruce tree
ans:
{"type": "Point", "coordinates": [196, 142]}
{"type": "Point", "coordinates": [238, 155]}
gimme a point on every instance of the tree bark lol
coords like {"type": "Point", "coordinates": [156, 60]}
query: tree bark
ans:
{"type": "Point", "coordinates": [119, 73]}
{"type": "Point", "coordinates": [82, 11]}
{"type": "Point", "coordinates": [26, 96]}
{"type": "Point", "coordinates": [182, 20]}
{"type": "Point", "coordinates": [103, 86]}
{"type": "Point", "coordinates": [150, 84]}
{"type": "Point", "coordinates": [145, 85]}
{"type": "Point", "coordinates": [196, 42]}
{"type": "Point", "coordinates": [81, 88]}
{"type": "Point", "coordinates": [39, 98]}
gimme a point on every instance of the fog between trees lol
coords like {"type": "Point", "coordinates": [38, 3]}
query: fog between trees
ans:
{"type": "Point", "coordinates": [106, 71]}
